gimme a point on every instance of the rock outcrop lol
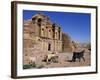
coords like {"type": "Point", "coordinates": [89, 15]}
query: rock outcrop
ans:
{"type": "Point", "coordinates": [67, 44]}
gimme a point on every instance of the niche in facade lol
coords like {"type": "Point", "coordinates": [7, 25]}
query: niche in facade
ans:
{"type": "Point", "coordinates": [39, 21]}
{"type": "Point", "coordinates": [33, 20]}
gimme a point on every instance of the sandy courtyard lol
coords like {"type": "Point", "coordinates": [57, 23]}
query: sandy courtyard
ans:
{"type": "Point", "coordinates": [63, 60]}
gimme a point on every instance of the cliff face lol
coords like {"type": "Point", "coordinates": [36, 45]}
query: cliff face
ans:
{"type": "Point", "coordinates": [67, 44]}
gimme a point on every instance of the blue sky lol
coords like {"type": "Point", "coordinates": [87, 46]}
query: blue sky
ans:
{"type": "Point", "coordinates": [77, 25]}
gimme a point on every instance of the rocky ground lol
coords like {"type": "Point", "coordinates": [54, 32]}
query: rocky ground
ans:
{"type": "Point", "coordinates": [63, 60]}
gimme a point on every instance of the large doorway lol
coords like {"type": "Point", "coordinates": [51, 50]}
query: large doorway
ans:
{"type": "Point", "coordinates": [49, 47]}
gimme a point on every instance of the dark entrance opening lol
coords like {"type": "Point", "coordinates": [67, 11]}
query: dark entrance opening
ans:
{"type": "Point", "coordinates": [49, 47]}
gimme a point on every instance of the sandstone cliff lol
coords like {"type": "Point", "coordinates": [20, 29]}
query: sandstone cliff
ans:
{"type": "Point", "coordinates": [67, 44]}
